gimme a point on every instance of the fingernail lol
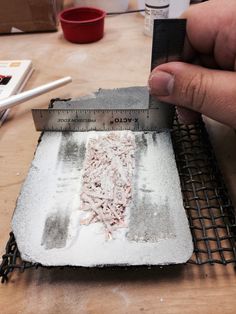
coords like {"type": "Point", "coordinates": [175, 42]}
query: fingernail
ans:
{"type": "Point", "coordinates": [161, 83]}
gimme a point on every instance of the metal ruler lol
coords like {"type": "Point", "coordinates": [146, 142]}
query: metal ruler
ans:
{"type": "Point", "coordinates": [97, 120]}
{"type": "Point", "coordinates": [168, 42]}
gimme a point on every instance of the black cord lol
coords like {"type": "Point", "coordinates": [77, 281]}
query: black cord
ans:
{"type": "Point", "coordinates": [126, 12]}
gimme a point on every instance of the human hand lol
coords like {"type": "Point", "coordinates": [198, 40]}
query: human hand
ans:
{"type": "Point", "coordinates": [209, 87]}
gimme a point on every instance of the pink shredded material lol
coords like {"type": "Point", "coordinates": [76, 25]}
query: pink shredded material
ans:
{"type": "Point", "coordinates": [107, 179]}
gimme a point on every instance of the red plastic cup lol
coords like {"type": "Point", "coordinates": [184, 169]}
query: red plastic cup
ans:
{"type": "Point", "coordinates": [82, 24]}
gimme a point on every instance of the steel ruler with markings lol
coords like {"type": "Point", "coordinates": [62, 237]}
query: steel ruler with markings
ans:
{"type": "Point", "coordinates": [168, 43]}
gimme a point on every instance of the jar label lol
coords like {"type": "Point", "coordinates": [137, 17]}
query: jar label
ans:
{"type": "Point", "coordinates": [152, 13]}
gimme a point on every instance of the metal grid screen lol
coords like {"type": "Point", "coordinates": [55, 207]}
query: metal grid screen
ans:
{"type": "Point", "coordinates": [210, 212]}
{"type": "Point", "coordinates": [207, 204]}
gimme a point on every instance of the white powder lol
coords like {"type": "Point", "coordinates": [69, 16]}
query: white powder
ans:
{"type": "Point", "coordinates": [46, 221]}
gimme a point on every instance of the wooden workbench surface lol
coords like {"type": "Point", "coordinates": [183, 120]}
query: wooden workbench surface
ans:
{"type": "Point", "coordinates": [120, 59]}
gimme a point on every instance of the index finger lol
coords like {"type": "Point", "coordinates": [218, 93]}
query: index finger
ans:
{"type": "Point", "coordinates": [211, 31]}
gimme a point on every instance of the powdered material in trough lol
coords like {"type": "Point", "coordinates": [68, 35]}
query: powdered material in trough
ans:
{"type": "Point", "coordinates": [127, 209]}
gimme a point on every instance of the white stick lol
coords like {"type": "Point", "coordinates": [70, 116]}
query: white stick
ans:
{"type": "Point", "coordinates": [22, 97]}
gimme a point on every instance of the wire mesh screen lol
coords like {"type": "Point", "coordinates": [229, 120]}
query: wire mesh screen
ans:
{"type": "Point", "coordinates": [208, 206]}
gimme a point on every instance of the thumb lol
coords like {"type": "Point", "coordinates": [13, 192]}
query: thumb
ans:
{"type": "Point", "coordinates": [210, 92]}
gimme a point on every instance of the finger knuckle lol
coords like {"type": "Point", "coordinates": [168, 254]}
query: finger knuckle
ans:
{"type": "Point", "coordinates": [195, 91]}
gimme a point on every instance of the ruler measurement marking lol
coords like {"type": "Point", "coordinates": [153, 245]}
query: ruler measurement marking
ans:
{"type": "Point", "coordinates": [138, 119]}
